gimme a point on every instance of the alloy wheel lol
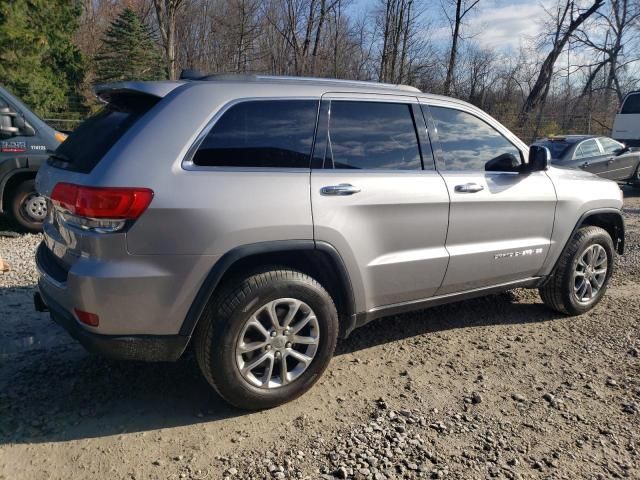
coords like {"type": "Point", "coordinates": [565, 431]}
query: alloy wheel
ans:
{"type": "Point", "coordinates": [277, 343]}
{"type": "Point", "coordinates": [590, 273]}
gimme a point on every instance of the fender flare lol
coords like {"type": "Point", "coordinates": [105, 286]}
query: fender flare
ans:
{"type": "Point", "coordinates": [618, 245]}
{"type": "Point", "coordinates": [217, 272]}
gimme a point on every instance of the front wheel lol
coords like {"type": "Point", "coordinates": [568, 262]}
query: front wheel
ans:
{"type": "Point", "coordinates": [28, 208]}
{"type": "Point", "coordinates": [267, 338]}
{"type": "Point", "coordinates": [583, 272]}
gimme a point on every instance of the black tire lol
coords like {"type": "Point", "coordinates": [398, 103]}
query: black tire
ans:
{"type": "Point", "coordinates": [17, 207]}
{"type": "Point", "coordinates": [218, 331]}
{"type": "Point", "coordinates": [558, 292]}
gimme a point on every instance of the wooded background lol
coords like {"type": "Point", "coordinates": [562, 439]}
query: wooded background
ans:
{"type": "Point", "coordinates": [569, 79]}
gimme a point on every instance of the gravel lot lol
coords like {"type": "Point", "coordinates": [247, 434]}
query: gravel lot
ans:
{"type": "Point", "coordinates": [496, 387]}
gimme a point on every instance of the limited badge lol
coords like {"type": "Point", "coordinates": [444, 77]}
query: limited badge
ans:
{"type": "Point", "coordinates": [13, 147]}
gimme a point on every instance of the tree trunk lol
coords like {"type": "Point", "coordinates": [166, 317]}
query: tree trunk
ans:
{"type": "Point", "coordinates": [538, 92]}
{"type": "Point", "coordinates": [454, 49]}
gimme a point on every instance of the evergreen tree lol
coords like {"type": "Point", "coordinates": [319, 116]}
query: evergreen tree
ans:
{"type": "Point", "coordinates": [128, 51]}
{"type": "Point", "coordinates": [38, 60]}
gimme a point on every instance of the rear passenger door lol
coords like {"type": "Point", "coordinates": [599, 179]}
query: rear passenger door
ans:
{"type": "Point", "coordinates": [591, 158]}
{"type": "Point", "coordinates": [373, 201]}
{"type": "Point", "coordinates": [500, 222]}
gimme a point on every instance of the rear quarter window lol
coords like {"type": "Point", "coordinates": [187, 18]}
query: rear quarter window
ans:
{"type": "Point", "coordinates": [262, 133]}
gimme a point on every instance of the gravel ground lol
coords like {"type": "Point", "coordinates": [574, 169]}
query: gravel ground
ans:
{"type": "Point", "coordinates": [495, 387]}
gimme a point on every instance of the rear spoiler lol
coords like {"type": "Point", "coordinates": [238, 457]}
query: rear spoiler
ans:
{"type": "Point", "coordinates": [153, 89]}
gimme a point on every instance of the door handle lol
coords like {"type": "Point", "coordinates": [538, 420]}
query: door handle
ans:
{"type": "Point", "coordinates": [469, 188]}
{"type": "Point", "coordinates": [584, 165]}
{"type": "Point", "coordinates": [610, 161]}
{"type": "Point", "coordinates": [339, 190]}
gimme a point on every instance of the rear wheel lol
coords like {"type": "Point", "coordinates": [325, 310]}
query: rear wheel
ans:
{"type": "Point", "coordinates": [582, 274]}
{"type": "Point", "coordinates": [267, 338]}
{"type": "Point", "coordinates": [28, 208]}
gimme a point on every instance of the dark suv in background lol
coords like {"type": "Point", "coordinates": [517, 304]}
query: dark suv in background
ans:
{"type": "Point", "coordinates": [25, 143]}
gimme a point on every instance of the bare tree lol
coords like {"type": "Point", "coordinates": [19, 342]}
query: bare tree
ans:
{"type": "Point", "coordinates": [166, 14]}
{"type": "Point", "coordinates": [567, 18]}
{"type": "Point", "coordinates": [301, 24]}
{"type": "Point", "coordinates": [463, 7]}
{"type": "Point", "coordinates": [615, 43]}
{"type": "Point", "coordinates": [404, 51]}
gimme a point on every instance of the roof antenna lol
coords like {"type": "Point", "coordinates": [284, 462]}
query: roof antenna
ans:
{"type": "Point", "coordinates": [191, 74]}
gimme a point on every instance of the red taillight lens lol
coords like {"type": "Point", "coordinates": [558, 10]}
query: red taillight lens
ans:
{"type": "Point", "coordinates": [87, 318]}
{"type": "Point", "coordinates": [102, 202]}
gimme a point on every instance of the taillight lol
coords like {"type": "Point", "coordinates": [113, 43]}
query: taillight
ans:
{"type": "Point", "coordinates": [102, 202]}
{"type": "Point", "coordinates": [100, 208]}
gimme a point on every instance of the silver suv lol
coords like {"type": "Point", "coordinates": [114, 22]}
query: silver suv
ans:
{"type": "Point", "coordinates": [260, 218]}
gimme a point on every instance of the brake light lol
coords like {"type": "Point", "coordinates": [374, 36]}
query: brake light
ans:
{"type": "Point", "coordinates": [102, 202]}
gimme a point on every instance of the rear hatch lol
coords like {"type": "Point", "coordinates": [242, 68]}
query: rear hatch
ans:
{"type": "Point", "coordinates": [85, 218]}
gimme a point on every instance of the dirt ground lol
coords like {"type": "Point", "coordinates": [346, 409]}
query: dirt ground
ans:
{"type": "Point", "coordinates": [495, 387]}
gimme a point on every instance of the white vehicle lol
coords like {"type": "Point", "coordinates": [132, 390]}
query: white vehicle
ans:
{"type": "Point", "coordinates": [626, 126]}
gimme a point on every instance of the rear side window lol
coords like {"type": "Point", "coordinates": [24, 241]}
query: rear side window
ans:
{"type": "Point", "coordinates": [88, 143]}
{"type": "Point", "coordinates": [265, 133]}
{"type": "Point", "coordinates": [588, 148]}
{"type": "Point", "coordinates": [468, 142]}
{"type": "Point", "coordinates": [372, 135]}
{"type": "Point", "coordinates": [631, 104]}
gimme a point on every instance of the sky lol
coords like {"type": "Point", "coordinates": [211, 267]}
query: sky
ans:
{"type": "Point", "coordinates": [495, 24]}
{"type": "Point", "coordinates": [504, 24]}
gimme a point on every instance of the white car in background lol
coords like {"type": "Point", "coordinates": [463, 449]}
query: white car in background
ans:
{"type": "Point", "coordinates": [626, 126]}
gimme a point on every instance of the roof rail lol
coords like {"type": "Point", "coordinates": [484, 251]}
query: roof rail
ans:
{"type": "Point", "coordinates": [316, 80]}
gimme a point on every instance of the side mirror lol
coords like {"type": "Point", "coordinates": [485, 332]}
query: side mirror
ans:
{"type": "Point", "coordinates": [13, 124]}
{"type": "Point", "coordinates": [506, 162]}
{"type": "Point", "coordinates": [7, 129]}
{"type": "Point", "coordinates": [539, 159]}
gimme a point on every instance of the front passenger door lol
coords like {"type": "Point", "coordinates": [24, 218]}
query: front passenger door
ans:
{"type": "Point", "coordinates": [619, 167]}
{"type": "Point", "coordinates": [500, 222]}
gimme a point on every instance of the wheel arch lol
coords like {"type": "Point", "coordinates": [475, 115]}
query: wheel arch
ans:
{"type": "Point", "coordinates": [317, 259]}
{"type": "Point", "coordinates": [610, 220]}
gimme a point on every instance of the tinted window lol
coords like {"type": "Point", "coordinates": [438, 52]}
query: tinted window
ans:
{"type": "Point", "coordinates": [373, 135]}
{"type": "Point", "coordinates": [468, 142]}
{"type": "Point", "coordinates": [609, 145]}
{"type": "Point", "coordinates": [269, 133]}
{"type": "Point", "coordinates": [631, 104]}
{"type": "Point", "coordinates": [88, 143]}
{"type": "Point", "coordinates": [588, 148]}
{"type": "Point", "coordinates": [557, 147]}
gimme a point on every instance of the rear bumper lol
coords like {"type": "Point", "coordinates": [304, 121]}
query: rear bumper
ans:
{"type": "Point", "coordinates": [148, 348]}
